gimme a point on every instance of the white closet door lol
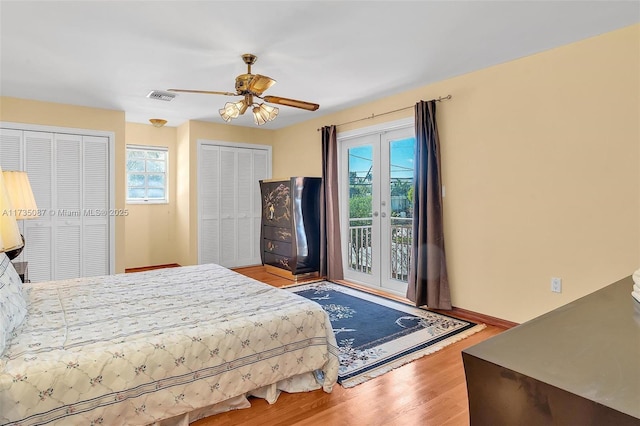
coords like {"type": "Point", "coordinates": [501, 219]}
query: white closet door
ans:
{"type": "Point", "coordinates": [228, 196]}
{"type": "Point", "coordinates": [70, 178]}
{"type": "Point", "coordinates": [229, 203]}
{"type": "Point", "coordinates": [96, 215]}
{"type": "Point", "coordinates": [68, 200]}
{"type": "Point", "coordinates": [244, 213]}
{"type": "Point", "coordinates": [38, 233]}
{"type": "Point", "coordinates": [209, 195]}
{"type": "Point", "coordinates": [11, 149]}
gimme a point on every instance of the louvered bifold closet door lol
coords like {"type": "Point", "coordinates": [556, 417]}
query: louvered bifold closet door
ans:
{"type": "Point", "coordinates": [241, 170]}
{"type": "Point", "coordinates": [244, 213]}
{"type": "Point", "coordinates": [11, 149]}
{"type": "Point", "coordinates": [229, 204]}
{"type": "Point", "coordinates": [69, 176]}
{"type": "Point", "coordinates": [33, 153]}
{"type": "Point", "coordinates": [68, 197]}
{"type": "Point", "coordinates": [209, 194]}
{"type": "Point", "coordinates": [228, 196]}
{"type": "Point", "coordinates": [96, 215]}
{"type": "Point", "coordinates": [38, 250]}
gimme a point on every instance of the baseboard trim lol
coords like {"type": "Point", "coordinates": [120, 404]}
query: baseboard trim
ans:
{"type": "Point", "coordinates": [149, 268]}
{"type": "Point", "coordinates": [478, 317]}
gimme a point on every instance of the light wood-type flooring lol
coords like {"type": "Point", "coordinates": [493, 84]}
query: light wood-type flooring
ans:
{"type": "Point", "coordinates": [428, 391]}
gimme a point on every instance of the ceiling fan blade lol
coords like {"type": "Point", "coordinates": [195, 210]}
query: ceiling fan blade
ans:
{"type": "Point", "coordinates": [260, 83]}
{"type": "Point", "coordinates": [206, 92]}
{"type": "Point", "coordinates": [291, 102]}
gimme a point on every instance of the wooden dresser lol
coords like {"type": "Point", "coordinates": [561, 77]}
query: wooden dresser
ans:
{"type": "Point", "coordinates": [576, 365]}
{"type": "Point", "coordinates": [290, 232]}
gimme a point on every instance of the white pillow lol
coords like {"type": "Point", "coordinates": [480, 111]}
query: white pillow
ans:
{"type": "Point", "coordinates": [13, 306]}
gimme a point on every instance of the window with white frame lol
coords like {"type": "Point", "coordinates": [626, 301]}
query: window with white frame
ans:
{"type": "Point", "coordinates": [147, 168]}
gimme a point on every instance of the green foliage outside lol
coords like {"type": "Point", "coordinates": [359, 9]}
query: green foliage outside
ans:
{"type": "Point", "coordinates": [360, 206]}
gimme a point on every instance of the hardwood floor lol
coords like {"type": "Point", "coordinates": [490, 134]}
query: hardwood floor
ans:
{"type": "Point", "coordinates": [428, 391]}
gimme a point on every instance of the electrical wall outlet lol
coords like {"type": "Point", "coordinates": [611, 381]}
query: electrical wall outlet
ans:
{"type": "Point", "coordinates": [556, 285]}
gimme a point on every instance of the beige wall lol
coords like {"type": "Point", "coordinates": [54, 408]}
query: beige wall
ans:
{"type": "Point", "coordinates": [151, 228]}
{"type": "Point", "coordinates": [183, 210]}
{"type": "Point", "coordinates": [51, 114]}
{"type": "Point", "coordinates": [540, 163]}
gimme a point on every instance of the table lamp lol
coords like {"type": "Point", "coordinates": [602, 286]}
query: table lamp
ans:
{"type": "Point", "coordinates": [10, 237]}
{"type": "Point", "coordinates": [22, 200]}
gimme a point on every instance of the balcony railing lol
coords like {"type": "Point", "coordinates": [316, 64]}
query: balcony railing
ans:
{"type": "Point", "coordinates": [359, 257]}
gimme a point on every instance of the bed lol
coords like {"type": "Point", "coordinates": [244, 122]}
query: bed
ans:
{"type": "Point", "coordinates": [168, 346]}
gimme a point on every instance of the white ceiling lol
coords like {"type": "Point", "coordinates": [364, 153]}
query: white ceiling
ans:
{"type": "Point", "coordinates": [111, 54]}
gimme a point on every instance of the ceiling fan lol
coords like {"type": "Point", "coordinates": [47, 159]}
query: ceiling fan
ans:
{"type": "Point", "coordinates": [251, 86]}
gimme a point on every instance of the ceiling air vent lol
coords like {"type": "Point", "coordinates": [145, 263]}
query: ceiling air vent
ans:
{"type": "Point", "coordinates": [161, 95]}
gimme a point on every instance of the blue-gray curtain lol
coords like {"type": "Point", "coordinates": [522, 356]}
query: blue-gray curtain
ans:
{"type": "Point", "coordinates": [330, 243]}
{"type": "Point", "coordinates": [428, 278]}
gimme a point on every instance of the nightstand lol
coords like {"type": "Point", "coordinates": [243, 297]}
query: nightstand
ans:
{"type": "Point", "coordinates": [22, 268]}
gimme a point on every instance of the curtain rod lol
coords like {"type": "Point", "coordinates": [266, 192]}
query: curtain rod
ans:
{"type": "Point", "coordinates": [439, 99]}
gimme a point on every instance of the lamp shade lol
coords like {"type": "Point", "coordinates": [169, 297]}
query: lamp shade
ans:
{"type": "Point", "coordinates": [231, 110]}
{"type": "Point", "coordinates": [270, 111]}
{"type": "Point", "coordinates": [258, 118]}
{"type": "Point", "coordinates": [10, 237]}
{"type": "Point", "coordinates": [263, 113]}
{"type": "Point", "coordinates": [20, 195]}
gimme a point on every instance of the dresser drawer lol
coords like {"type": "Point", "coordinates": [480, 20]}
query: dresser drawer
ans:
{"type": "Point", "coordinates": [276, 233]}
{"type": "Point", "coordinates": [277, 247]}
{"type": "Point", "coordinates": [284, 262]}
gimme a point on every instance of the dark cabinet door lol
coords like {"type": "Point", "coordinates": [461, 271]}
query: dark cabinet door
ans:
{"type": "Point", "coordinates": [276, 204]}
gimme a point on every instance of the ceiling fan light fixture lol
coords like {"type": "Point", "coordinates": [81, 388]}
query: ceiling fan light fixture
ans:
{"type": "Point", "coordinates": [263, 113]}
{"type": "Point", "coordinates": [231, 110]}
{"type": "Point", "coordinates": [225, 116]}
{"type": "Point", "coordinates": [270, 110]}
{"type": "Point", "coordinates": [258, 117]}
{"type": "Point", "coordinates": [252, 86]}
{"type": "Point", "coordinates": [242, 106]}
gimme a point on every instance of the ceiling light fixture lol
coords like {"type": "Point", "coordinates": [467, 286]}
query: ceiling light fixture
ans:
{"type": "Point", "coordinates": [157, 122]}
{"type": "Point", "coordinates": [261, 112]}
{"type": "Point", "coordinates": [251, 86]}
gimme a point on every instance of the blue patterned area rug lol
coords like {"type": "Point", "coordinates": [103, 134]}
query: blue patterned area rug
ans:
{"type": "Point", "coordinates": [376, 334]}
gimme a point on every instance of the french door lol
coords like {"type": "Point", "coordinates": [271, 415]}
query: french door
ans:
{"type": "Point", "coordinates": [376, 184]}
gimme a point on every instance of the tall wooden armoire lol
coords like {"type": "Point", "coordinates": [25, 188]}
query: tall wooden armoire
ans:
{"type": "Point", "coordinates": [290, 233]}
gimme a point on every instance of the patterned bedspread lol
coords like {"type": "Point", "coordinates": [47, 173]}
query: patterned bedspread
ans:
{"type": "Point", "coordinates": [138, 348]}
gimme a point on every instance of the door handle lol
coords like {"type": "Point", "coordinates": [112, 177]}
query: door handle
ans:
{"type": "Point", "coordinates": [375, 214]}
{"type": "Point", "coordinates": [383, 214]}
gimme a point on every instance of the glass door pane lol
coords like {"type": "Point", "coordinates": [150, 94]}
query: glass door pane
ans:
{"type": "Point", "coordinates": [401, 154]}
{"type": "Point", "coordinates": [359, 241]}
